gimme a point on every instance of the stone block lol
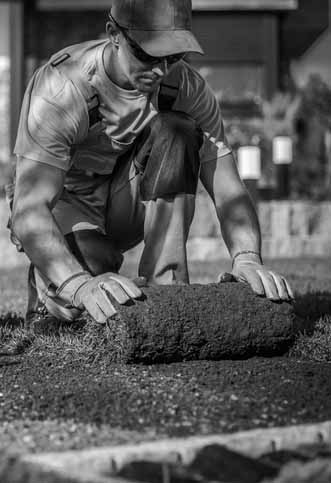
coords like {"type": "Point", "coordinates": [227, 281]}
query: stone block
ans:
{"type": "Point", "coordinates": [300, 215]}
{"type": "Point", "coordinates": [280, 219]}
{"type": "Point", "coordinates": [265, 217]}
{"type": "Point", "coordinates": [206, 249]}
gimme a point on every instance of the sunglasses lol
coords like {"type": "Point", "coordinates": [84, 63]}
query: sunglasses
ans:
{"type": "Point", "coordinates": [142, 56]}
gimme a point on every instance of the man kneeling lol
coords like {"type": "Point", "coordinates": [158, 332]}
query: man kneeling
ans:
{"type": "Point", "coordinates": [113, 137]}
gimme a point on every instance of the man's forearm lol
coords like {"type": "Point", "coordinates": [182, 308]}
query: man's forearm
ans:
{"type": "Point", "coordinates": [240, 226]}
{"type": "Point", "coordinates": [44, 244]}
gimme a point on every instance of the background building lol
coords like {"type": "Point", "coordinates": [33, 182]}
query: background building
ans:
{"type": "Point", "coordinates": [254, 50]}
{"type": "Point", "coordinates": [250, 45]}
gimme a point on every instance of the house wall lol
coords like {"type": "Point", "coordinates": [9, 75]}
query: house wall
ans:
{"type": "Point", "coordinates": [241, 49]}
{"type": "Point", "coordinates": [315, 61]}
{"type": "Point", "coordinates": [4, 29]}
{"type": "Point", "coordinates": [49, 31]}
{"type": "Point", "coordinates": [241, 52]}
{"type": "Point", "coordinates": [300, 28]}
{"type": "Point", "coordinates": [4, 83]}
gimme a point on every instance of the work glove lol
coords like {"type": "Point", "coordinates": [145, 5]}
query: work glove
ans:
{"type": "Point", "coordinates": [95, 294]}
{"type": "Point", "coordinates": [263, 281]}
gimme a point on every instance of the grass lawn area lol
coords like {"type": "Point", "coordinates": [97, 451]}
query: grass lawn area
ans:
{"type": "Point", "coordinates": [61, 391]}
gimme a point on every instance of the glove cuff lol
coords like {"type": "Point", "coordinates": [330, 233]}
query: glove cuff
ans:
{"type": "Point", "coordinates": [246, 252]}
{"type": "Point", "coordinates": [68, 289]}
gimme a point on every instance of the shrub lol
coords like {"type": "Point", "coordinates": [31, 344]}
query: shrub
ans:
{"type": "Point", "coordinates": [303, 114]}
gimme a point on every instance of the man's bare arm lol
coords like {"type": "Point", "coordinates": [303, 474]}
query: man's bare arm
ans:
{"type": "Point", "coordinates": [38, 188]}
{"type": "Point", "coordinates": [240, 228]}
{"type": "Point", "coordinates": [235, 211]}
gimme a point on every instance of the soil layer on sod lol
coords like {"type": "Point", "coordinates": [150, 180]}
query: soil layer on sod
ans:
{"type": "Point", "coordinates": [199, 322]}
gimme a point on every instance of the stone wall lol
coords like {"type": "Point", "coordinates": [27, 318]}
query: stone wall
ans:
{"type": "Point", "coordinates": [289, 229]}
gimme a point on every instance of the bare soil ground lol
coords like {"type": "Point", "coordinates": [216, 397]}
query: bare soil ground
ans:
{"type": "Point", "coordinates": [63, 392]}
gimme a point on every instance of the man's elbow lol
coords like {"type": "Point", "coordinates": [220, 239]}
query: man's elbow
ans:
{"type": "Point", "coordinates": [18, 226]}
{"type": "Point", "coordinates": [24, 221]}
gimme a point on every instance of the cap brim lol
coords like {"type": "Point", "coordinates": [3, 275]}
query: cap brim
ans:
{"type": "Point", "coordinates": [159, 43]}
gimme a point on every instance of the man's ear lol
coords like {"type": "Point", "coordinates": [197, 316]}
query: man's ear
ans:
{"type": "Point", "coordinates": [113, 32]}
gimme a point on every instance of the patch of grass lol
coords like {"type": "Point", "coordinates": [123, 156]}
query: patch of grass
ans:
{"type": "Point", "coordinates": [14, 342]}
{"type": "Point", "coordinates": [317, 346]}
{"type": "Point", "coordinates": [13, 289]}
{"type": "Point", "coordinates": [82, 340]}
{"type": "Point", "coordinates": [310, 279]}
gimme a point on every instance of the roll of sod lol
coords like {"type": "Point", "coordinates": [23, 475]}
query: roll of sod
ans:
{"type": "Point", "coordinates": [194, 322]}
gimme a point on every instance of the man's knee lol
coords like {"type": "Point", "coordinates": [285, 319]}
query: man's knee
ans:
{"type": "Point", "coordinates": [170, 124]}
{"type": "Point", "coordinates": [94, 251]}
{"type": "Point", "coordinates": [169, 156]}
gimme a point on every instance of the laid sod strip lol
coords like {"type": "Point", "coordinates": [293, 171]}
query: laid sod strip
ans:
{"type": "Point", "coordinates": [195, 322]}
{"type": "Point", "coordinates": [186, 322]}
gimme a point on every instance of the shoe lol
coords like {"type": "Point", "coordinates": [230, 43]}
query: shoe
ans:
{"type": "Point", "coordinates": [42, 319]}
{"type": "Point", "coordinates": [41, 322]}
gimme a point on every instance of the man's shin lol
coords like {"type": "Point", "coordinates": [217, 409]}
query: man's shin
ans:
{"type": "Point", "coordinates": [167, 224]}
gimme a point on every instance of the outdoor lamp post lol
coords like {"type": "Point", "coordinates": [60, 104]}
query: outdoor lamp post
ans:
{"type": "Point", "coordinates": [249, 166]}
{"type": "Point", "coordinates": [282, 153]}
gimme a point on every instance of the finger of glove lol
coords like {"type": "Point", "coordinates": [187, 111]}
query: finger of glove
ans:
{"type": "Point", "coordinates": [105, 303]}
{"type": "Point", "coordinates": [114, 289]}
{"type": "Point", "coordinates": [92, 307]}
{"type": "Point", "coordinates": [253, 279]}
{"type": "Point", "coordinates": [270, 288]}
{"type": "Point", "coordinates": [140, 282]}
{"type": "Point", "coordinates": [128, 285]}
{"type": "Point", "coordinates": [98, 304]}
{"type": "Point", "coordinates": [289, 289]}
{"type": "Point", "coordinates": [281, 286]}
{"type": "Point", "coordinates": [226, 277]}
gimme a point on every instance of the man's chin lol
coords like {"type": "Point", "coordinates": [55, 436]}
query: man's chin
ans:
{"type": "Point", "coordinates": [147, 88]}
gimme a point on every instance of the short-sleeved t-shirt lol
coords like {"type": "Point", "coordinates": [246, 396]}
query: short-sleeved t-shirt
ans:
{"type": "Point", "coordinates": [55, 126]}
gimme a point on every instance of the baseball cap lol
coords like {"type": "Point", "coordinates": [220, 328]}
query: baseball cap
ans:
{"type": "Point", "coordinates": [160, 27]}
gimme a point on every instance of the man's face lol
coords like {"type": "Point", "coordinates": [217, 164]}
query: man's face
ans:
{"type": "Point", "coordinates": [142, 71]}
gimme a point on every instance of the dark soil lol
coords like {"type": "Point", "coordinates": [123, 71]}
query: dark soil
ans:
{"type": "Point", "coordinates": [59, 402]}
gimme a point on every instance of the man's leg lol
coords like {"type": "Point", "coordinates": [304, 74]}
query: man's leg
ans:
{"type": "Point", "coordinates": [158, 204]}
{"type": "Point", "coordinates": [152, 199]}
{"type": "Point", "coordinates": [167, 224]}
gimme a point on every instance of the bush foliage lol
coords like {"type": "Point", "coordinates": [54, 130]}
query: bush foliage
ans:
{"type": "Point", "coordinates": [303, 114]}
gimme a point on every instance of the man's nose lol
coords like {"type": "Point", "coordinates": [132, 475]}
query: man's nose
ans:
{"type": "Point", "coordinates": [163, 68]}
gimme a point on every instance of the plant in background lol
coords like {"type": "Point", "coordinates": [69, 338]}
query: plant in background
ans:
{"type": "Point", "coordinates": [304, 115]}
{"type": "Point", "coordinates": [276, 118]}
{"type": "Point", "coordinates": [312, 163]}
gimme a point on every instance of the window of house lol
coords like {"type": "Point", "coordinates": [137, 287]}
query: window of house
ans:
{"type": "Point", "coordinates": [234, 82]}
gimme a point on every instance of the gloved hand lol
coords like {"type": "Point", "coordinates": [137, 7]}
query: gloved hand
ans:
{"type": "Point", "coordinates": [263, 281]}
{"type": "Point", "coordinates": [93, 294]}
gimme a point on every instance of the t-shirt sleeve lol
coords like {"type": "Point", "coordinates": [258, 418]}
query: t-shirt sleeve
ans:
{"type": "Point", "coordinates": [196, 98]}
{"type": "Point", "coordinates": [52, 119]}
